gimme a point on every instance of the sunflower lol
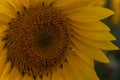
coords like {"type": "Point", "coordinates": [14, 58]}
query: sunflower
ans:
{"type": "Point", "coordinates": [52, 39]}
{"type": "Point", "coordinates": [115, 6]}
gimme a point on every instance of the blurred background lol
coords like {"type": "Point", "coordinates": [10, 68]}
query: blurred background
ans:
{"type": "Point", "coordinates": [111, 71]}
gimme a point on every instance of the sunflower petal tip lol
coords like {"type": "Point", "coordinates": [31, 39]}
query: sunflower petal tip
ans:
{"type": "Point", "coordinates": [107, 61]}
{"type": "Point", "coordinates": [111, 12]}
{"type": "Point", "coordinates": [104, 60]}
{"type": "Point", "coordinates": [117, 48]}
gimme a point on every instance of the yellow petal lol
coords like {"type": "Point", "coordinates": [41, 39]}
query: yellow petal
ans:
{"type": "Point", "coordinates": [1, 24]}
{"type": "Point", "coordinates": [45, 77]}
{"type": "Point", "coordinates": [19, 77]}
{"type": "Point", "coordinates": [86, 71]}
{"type": "Point", "coordinates": [3, 28]}
{"type": "Point", "coordinates": [15, 4]}
{"type": "Point", "coordinates": [86, 3]}
{"type": "Point", "coordinates": [65, 74]}
{"type": "Point", "coordinates": [92, 52]}
{"type": "Point", "coordinates": [70, 5]}
{"type": "Point", "coordinates": [3, 52]}
{"type": "Point", "coordinates": [66, 5]}
{"type": "Point", "coordinates": [38, 78]}
{"type": "Point", "coordinates": [48, 2]}
{"type": "Point", "coordinates": [35, 3]}
{"type": "Point", "coordinates": [2, 44]}
{"type": "Point", "coordinates": [56, 76]}
{"type": "Point", "coordinates": [82, 57]}
{"type": "Point", "coordinates": [6, 11]}
{"type": "Point", "coordinates": [89, 14]}
{"type": "Point", "coordinates": [26, 3]}
{"type": "Point", "coordinates": [9, 7]}
{"type": "Point", "coordinates": [61, 3]}
{"type": "Point", "coordinates": [93, 35]}
{"type": "Point", "coordinates": [3, 59]}
{"type": "Point", "coordinates": [71, 69]}
{"type": "Point", "coordinates": [92, 26]}
{"type": "Point", "coordinates": [14, 74]}
{"type": "Point", "coordinates": [6, 70]}
{"type": "Point", "coordinates": [105, 45]}
{"type": "Point", "coordinates": [101, 3]}
{"type": "Point", "coordinates": [5, 77]}
{"type": "Point", "coordinates": [2, 36]}
{"type": "Point", "coordinates": [27, 77]}
{"type": "Point", "coordinates": [4, 19]}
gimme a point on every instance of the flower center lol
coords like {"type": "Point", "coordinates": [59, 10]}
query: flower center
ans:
{"type": "Point", "coordinates": [37, 40]}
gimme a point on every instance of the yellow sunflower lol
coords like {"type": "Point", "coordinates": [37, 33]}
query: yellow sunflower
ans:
{"type": "Point", "coordinates": [115, 6]}
{"type": "Point", "coordinates": [52, 39]}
